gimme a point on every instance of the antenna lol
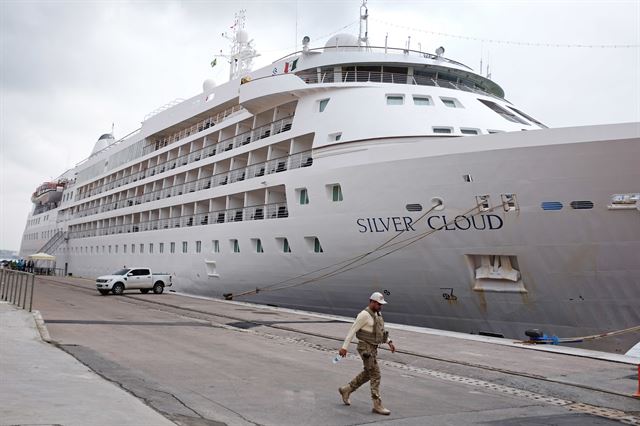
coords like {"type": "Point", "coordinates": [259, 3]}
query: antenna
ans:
{"type": "Point", "coordinates": [364, 21]}
{"type": "Point", "coordinates": [242, 52]}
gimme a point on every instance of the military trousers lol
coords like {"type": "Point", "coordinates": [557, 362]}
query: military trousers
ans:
{"type": "Point", "coordinates": [371, 371]}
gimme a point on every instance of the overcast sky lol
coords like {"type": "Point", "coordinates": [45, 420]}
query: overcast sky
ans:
{"type": "Point", "coordinates": [68, 69]}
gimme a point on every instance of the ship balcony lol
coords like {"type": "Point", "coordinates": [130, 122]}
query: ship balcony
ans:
{"type": "Point", "coordinates": [275, 165]}
{"type": "Point", "coordinates": [241, 214]}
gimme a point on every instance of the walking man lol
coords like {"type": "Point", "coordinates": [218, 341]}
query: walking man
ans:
{"type": "Point", "coordinates": [369, 329]}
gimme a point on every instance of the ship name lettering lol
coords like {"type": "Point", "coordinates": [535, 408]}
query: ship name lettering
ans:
{"type": "Point", "coordinates": [385, 224]}
{"type": "Point", "coordinates": [463, 223]}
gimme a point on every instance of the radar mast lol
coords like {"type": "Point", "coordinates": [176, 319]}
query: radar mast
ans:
{"type": "Point", "coordinates": [363, 37]}
{"type": "Point", "coordinates": [242, 52]}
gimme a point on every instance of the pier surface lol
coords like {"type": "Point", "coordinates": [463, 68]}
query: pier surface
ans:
{"type": "Point", "coordinates": [145, 359]}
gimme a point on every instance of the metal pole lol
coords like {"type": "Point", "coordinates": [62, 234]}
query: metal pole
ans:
{"type": "Point", "coordinates": [15, 289]}
{"type": "Point", "coordinates": [16, 298]}
{"type": "Point", "coordinates": [2, 277]}
{"type": "Point", "coordinates": [24, 296]}
{"type": "Point", "coordinates": [13, 284]}
{"type": "Point", "coordinates": [33, 276]}
{"type": "Point", "coordinates": [5, 296]}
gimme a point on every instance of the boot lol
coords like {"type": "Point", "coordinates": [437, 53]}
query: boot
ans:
{"type": "Point", "coordinates": [379, 409]}
{"type": "Point", "coordinates": [345, 391]}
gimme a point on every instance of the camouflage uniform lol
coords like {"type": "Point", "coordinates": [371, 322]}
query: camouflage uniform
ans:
{"type": "Point", "coordinates": [368, 349]}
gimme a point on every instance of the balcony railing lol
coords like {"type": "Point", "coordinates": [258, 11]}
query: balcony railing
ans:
{"type": "Point", "coordinates": [276, 165]}
{"type": "Point", "coordinates": [239, 214]}
{"type": "Point", "coordinates": [233, 142]}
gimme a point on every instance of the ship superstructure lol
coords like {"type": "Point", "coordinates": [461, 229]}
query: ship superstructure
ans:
{"type": "Point", "coordinates": [337, 171]}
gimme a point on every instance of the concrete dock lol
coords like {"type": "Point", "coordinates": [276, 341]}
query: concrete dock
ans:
{"type": "Point", "coordinates": [161, 359]}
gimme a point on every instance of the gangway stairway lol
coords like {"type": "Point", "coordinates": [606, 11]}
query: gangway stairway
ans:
{"type": "Point", "coordinates": [53, 243]}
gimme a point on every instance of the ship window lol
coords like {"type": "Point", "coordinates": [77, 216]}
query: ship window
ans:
{"type": "Point", "coordinates": [467, 178]}
{"type": "Point", "coordinates": [172, 247]}
{"type": "Point", "coordinates": [470, 131]}
{"type": "Point", "coordinates": [257, 244]}
{"type": "Point", "coordinates": [528, 117]}
{"type": "Point", "coordinates": [151, 248]}
{"type": "Point", "coordinates": [414, 207]}
{"type": "Point", "coordinates": [124, 248]}
{"type": "Point", "coordinates": [395, 99]}
{"type": "Point", "coordinates": [491, 132]}
{"type": "Point", "coordinates": [303, 196]}
{"type": "Point", "coordinates": [116, 248]}
{"type": "Point", "coordinates": [185, 246]}
{"type": "Point", "coordinates": [506, 114]}
{"type": "Point", "coordinates": [442, 130]}
{"type": "Point", "coordinates": [422, 100]}
{"type": "Point", "coordinates": [141, 248]}
{"type": "Point", "coordinates": [215, 246]}
{"type": "Point", "coordinates": [335, 192]}
{"type": "Point", "coordinates": [284, 243]}
{"type": "Point", "coordinates": [198, 246]}
{"type": "Point", "coordinates": [314, 244]}
{"type": "Point", "coordinates": [235, 246]}
{"type": "Point", "coordinates": [133, 248]}
{"type": "Point", "coordinates": [451, 102]}
{"type": "Point", "coordinates": [323, 104]}
{"type": "Point", "coordinates": [161, 248]}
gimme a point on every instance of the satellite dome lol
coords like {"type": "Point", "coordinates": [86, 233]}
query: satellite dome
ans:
{"type": "Point", "coordinates": [208, 85]}
{"type": "Point", "coordinates": [342, 40]}
{"type": "Point", "coordinates": [103, 142]}
{"type": "Point", "coordinates": [242, 36]}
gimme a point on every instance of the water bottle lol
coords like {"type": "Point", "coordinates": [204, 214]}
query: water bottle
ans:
{"type": "Point", "coordinates": [336, 359]}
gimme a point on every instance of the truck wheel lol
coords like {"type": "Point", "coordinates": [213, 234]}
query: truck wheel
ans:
{"type": "Point", "coordinates": [158, 287]}
{"type": "Point", "coordinates": [144, 290]}
{"type": "Point", "coordinates": [104, 292]}
{"type": "Point", "coordinates": [118, 289]}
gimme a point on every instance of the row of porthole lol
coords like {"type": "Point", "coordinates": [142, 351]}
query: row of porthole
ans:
{"type": "Point", "coordinates": [546, 205]}
{"type": "Point", "coordinates": [313, 244]}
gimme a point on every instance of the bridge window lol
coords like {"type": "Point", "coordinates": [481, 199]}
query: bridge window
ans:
{"type": "Point", "coordinates": [422, 100]}
{"type": "Point", "coordinates": [451, 102]}
{"type": "Point", "coordinates": [395, 100]}
{"type": "Point", "coordinates": [506, 114]}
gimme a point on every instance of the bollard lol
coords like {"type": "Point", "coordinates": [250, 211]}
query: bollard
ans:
{"type": "Point", "coordinates": [637, 394]}
{"type": "Point", "coordinates": [33, 276]}
{"type": "Point", "coordinates": [24, 295]}
{"type": "Point", "coordinates": [14, 288]}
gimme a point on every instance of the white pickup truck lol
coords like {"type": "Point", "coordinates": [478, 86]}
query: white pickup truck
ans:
{"type": "Point", "coordinates": [133, 279]}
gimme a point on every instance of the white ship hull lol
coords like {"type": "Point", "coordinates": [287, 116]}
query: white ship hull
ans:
{"type": "Point", "coordinates": [579, 268]}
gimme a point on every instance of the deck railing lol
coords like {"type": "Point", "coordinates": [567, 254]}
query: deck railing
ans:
{"type": "Point", "coordinates": [238, 214]}
{"type": "Point", "coordinates": [276, 165]}
{"type": "Point", "coordinates": [245, 138]}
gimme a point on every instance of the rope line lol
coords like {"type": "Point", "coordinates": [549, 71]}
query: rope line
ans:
{"type": "Point", "coordinates": [511, 42]}
{"type": "Point", "coordinates": [351, 263]}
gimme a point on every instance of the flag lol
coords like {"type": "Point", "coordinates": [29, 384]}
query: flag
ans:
{"type": "Point", "coordinates": [290, 66]}
{"type": "Point", "coordinates": [214, 62]}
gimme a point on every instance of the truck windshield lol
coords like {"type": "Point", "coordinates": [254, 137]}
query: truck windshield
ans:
{"type": "Point", "coordinates": [120, 272]}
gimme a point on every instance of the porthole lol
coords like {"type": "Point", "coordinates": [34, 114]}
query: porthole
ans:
{"type": "Point", "coordinates": [581, 205]}
{"type": "Point", "coordinates": [414, 207]}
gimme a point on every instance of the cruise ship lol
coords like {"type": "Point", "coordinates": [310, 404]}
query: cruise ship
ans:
{"type": "Point", "coordinates": [338, 171]}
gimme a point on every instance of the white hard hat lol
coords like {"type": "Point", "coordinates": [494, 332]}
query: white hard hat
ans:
{"type": "Point", "coordinates": [378, 297]}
